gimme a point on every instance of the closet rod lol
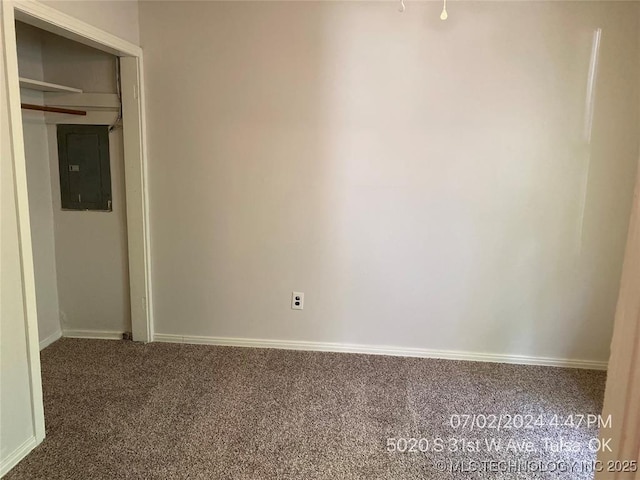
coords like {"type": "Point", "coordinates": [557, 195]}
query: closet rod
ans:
{"type": "Point", "coordinates": [29, 106]}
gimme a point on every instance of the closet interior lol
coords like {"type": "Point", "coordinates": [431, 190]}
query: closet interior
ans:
{"type": "Point", "coordinates": [72, 123]}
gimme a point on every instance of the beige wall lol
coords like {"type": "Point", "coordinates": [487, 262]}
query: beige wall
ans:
{"type": "Point", "coordinates": [36, 148]}
{"type": "Point", "coordinates": [29, 44]}
{"type": "Point", "coordinates": [15, 391]}
{"type": "Point", "coordinates": [71, 63]}
{"type": "Point", "coordinates": [42, 228]}
{"type": "Point", "coordinates": [119, 17]}
{"type": "Point", "coordinates": [427, 184]}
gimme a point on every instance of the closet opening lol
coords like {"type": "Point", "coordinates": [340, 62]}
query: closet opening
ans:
{"type": "Point", "coordinates": [62, 94]}
{"type": "Point", "coordinates": [76, 104]}
{"type": "Point", "coordinates": [72, 121]}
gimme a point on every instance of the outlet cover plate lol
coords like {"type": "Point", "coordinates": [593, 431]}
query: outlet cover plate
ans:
{"type": "Point", "coordinates": [297, 300]}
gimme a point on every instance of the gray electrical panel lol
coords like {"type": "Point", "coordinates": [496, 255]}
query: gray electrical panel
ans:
{"type": "Point", "coordinates": [85, 171]}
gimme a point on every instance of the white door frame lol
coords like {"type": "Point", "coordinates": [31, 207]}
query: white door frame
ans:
{"type": "Point", "coordinates": [622, 394]}
{"type": "Point", "coordinates": [135, 159]}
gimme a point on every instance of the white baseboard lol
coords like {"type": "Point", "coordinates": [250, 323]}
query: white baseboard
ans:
{"type": "Point", "coordinates": [18, 454]}
{"type": "Point", "coordinates": [44, 343]}
{"type": "Point", "coordinates": [96, 334]}
{"type": "Point", "coordinates": [383, 350]}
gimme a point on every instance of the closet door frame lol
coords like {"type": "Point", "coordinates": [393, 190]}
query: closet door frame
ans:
{"type": "Point", "coordinates": [135, 161]}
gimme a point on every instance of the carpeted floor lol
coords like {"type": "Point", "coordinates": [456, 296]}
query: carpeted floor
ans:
{"type": "Point", "coordinates": [120, 410]}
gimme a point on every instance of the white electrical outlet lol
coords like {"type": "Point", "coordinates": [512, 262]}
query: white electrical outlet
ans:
{"type": "Point", "coordinates": [297, 300]}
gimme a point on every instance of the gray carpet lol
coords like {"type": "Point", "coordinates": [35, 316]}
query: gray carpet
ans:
{"type": "Point", "coordinates": [160, 411]}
